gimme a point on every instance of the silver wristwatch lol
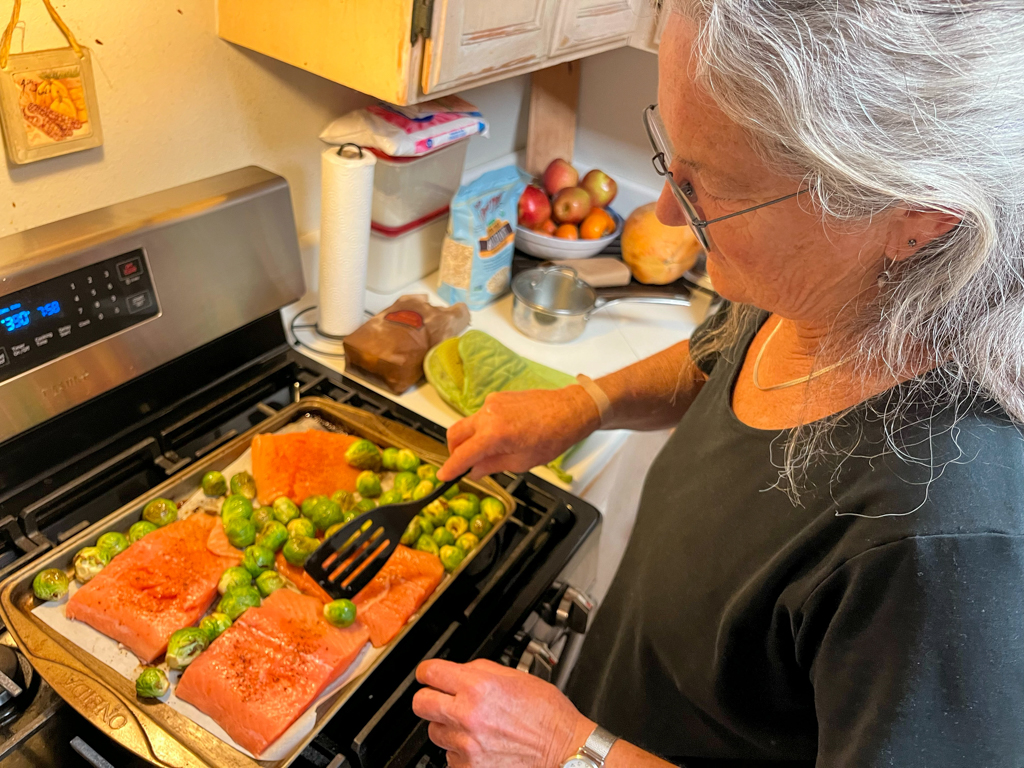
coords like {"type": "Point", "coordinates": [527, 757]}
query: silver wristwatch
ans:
{"type": "Point", "coordinates": [594, 752]}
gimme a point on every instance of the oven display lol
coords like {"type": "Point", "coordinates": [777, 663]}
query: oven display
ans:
{"type": "Point", "coordinates": [50, 319]}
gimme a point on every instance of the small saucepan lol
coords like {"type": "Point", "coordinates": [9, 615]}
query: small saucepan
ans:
{"type": "Point", "coordinates": [552, 304]}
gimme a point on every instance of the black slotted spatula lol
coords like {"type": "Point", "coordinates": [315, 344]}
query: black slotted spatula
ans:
{"type": "Point", "coordinates": [345, 563]}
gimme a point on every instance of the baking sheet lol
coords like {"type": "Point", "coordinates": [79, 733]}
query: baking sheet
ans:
{"type": "Point", "coordinates": [123, 661]}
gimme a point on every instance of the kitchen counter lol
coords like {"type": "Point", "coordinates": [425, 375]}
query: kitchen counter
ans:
{"type": "Point", "coordinates": [609, 466]}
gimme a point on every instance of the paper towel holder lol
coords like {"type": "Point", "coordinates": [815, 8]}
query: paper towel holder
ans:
{"type": "Point", "coordinates": [350, 144]}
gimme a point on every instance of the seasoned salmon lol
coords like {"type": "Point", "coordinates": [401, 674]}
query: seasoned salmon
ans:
{"type": "Point", "coordinates": [407, 579]}
{"type": "Point", "coordinates": [301, 464]}
{"type": "Point", "coordinates": [262, 673]}
{"type": "Point", "coordinates": [298, 576]}
{"type": "Point", "coordinates": [161, 583]}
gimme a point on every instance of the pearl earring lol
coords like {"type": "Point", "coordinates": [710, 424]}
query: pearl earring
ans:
{"type": "Point", "coordinates": [911, 242]}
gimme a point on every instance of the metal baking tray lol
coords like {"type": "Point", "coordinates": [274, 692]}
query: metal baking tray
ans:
{"type": "Point", "coordinates": [107, 699]}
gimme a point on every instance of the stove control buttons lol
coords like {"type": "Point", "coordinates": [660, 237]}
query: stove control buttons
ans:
{"type": "Point", "coordinates": [140, 302]}
{"type": "Point", "coordinates": [4, 359]}
{"type": "Point", "coordinates": [574, 611]}
{"type": "Point", "coordinates": [132, 268]}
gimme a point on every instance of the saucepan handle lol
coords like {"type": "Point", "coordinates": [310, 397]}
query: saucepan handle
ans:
{"type": "Point", "coordinates": [641, 295]}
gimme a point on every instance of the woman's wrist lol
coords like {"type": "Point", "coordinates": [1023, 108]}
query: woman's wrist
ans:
{"type": "Point", "coordinates": [586, 410]}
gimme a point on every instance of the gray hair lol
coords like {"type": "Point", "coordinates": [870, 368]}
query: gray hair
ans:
{"type": "Point", "coordinates": [882, 103]}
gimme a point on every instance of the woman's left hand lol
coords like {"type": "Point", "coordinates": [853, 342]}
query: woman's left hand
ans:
{"type": "Point", "coordinates": [485, 714]}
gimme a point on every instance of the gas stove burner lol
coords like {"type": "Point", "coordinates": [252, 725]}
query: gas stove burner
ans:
{"type": "Point", "coordinates": [15, 679]}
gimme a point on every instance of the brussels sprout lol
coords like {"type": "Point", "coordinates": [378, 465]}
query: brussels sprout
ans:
{"type": "Point", "coordinates": [333, 530]}
{"type": "Point", "coordinates": [240, 531]}
{"type": "Point", "coordinates": [480, 525]}
{"type": "Point", "coordinates": [236, 505]}
{"type": "Point", "coordinates": [405, 482]}
{"type": "Point", "coordinates": [407, 461]}
{"type": "Point", "coordinates": [467, 542]}
{"type": "Point", "coordinates": [457, 525]}
{"type": "Point", "coordinates": [363, 454]}
{"type": "Point", "coordinates": [244, 484]}
{"type": "Point", "coordinates": [88, 562]}
{"type": "Point", "coordinates": [443, 537]}
{"type": "Point", "coordinates": [238, 600]}
{"type": "Point", "coordinates": [465, 505]}
{"type": "Point", "coordinates": [267, 582]}
{"type": "Point", "coordinates": [368, 484]}
{"type": "Point", "coordinates": [214, 484]}
{"type": "Point", "coordinates": [50, 584]}
{"type": "Point", "coordinates": [365, 505]}
{"type": "Point", "coordinates": [340, 613]}
{"type": "Point", "coordinates": [261, 517]}
{"type": "Point", "coordinates": [437, 512]}
{"type": "Point", "coordinates": [426, 525]}
{"type": "Point", "coordinates": [427, 472]}
{"type": "Point", "coordinates": [343, 499]}
{"type": "Point", "coordinates": [309, 502]}
{"type": "Point", "coordinates": [160, 512]}
{"type": "Point", "coordinates": [236, 576]}
{"type": "Point", "coordinates": [298, 549]}
{"type": "Point", "coordinates": [273, 536]}
{"type": "Point", "coordinates": [285, 510]}
{"type": "Point", "coordinates": [325, 514]}
{"type": "Point", "coordinates": [451, 493]}
{"type": "Point", "coordinates": [492, 509]}
{"type": "Point", "coordinates": [214, 625]}
{"type": "Point", "coordinates": [389, 459]}
{"type": "Point", "coordinates": [451, 556]}
{"type": "Point", "coordinates": [113, 543]}
{"type": "Point", "coordinates": [301, 526]}
{"type": "Point", "coordinates": [152, 683]}
{"type": "Point", "coordinates": [412, 532]}
{"type": "Point", "coordinates": [426, 543]}
{"type": "Point", "coordinates": [257, 559]}
{"type": "Point", "coordinates": [390, 497]}
{"type": "Point", "coordinates": [424, 489]}
{"type": "Point", "coordinates": [185, 646]}
{"type": "Point", "coordinates": [139, 529]}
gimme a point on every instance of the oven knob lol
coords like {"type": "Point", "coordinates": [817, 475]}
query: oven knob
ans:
{"type": "Point", "coordinates": [574, 611]}
{"type": "Point", "coordinates": [538, 661]}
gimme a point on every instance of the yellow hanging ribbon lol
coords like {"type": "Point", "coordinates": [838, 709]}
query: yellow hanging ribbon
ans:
{"type": "Point", "coordinates": [5, 41]}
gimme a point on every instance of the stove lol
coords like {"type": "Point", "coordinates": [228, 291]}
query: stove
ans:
{"type": "Point", "coordinates": [181, 353]}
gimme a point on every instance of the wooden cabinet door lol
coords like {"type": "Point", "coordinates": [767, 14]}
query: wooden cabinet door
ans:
{"type": "Point", "coordinates": [586, 25]}
{"type": "Point", "coordinates": [472, 40]}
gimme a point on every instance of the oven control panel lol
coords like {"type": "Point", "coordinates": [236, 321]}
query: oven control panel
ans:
{"type": "Point", "coordinates": [50, 319]}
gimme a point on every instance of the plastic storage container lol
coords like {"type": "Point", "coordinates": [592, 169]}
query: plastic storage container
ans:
{"type": "Point", "coordinates": [407, 189]}
{"type": "Point", "coordinates": [401, 255]}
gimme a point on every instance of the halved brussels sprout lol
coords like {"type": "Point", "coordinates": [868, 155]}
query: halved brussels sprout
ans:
{"type": "Point", "coordinates": [437, 512]}
{"type": "Point", "coordinates": [426, 543]}
{"type": "Point", "coordinates": [273, 536]}
{"type": "Point", "coordinates": [152, 683]}
{"type": "Point", "coordinates": [160, 512]}
{"type": "Point", "coordinates": [427, 472]}
{"type": "Point", "coordinates": [285, 510]}
{"type": "Point", "coordinates": [465, 505]}
{"type": "Point", "coordinates": [262, 516]}
{"type": "Point", "coordinates": [492, 509]}
{"type": "Point", "coordinates": [89, 561]}
{"type": "Point", "coordinates": [214, 625]}
{"type": "Point", "coordinates": [236, 505]}
{"type": "Point", "coordinates": [363, 454]}
{"type": "Point", "coordinates": [426, 525]}
{"type": "Point", "coordinates": [233, 577]}
{"type": "Point", "coordinates": [340, 613]}
{"type": "Point", "coordinates": [451, 493]}
{"type": "Point", "coordinates": [184, 647]}
{"type": "Point", "coordinates": [480, 525]}
{"type": "Point", "coordinates": [467, 542]}
{"type": "Point", "coordinates": [413, 531]}
{"type": "Point", "coordinates": [407, 461]}
{"type": "Point", "coordinates": [113, 543]}
{"type": "Point", "coordinates": [389, 459]}
{"type": "Point", "coordinates": [451, 556]}
{"type": "Point", "coordinates": [238, 600]}
{"type": "Point", "coordinates": [267, 582]}
{"type": "Point", "coordinates": [424, 489]}
{"type": "Point", "coordinates": [301, 526]}
{"type": "Point", "coordinates": [50, 584]}
{"type": "Point", "coordinates": [443, 537]}
{"type": "Point", "coordinates": [365, 505]}
{"type": "Point", "coordinates": [368, 484]}
{"type": "Point", "coordinates": [257, 559]}
{"type": "Point", "coordinates": [139, 529]}
{"type": "Point", "coordinates": [390, 497]}
{"type": "Point", "coordinates": [214, 484]}
{"type": "Point", "coordinates": [244, 484]}
{"type": "Point", "coordinates": [405, 482]}
{"type": "Point", "coordinates": [298, 549]}
{"type": "Point", "coordinates": [457, 525]}
{"type": "Point", "coordinates": [311, 501]}
{"type": "Point", "coordinates": [325, 513]}
{"type": "Point", "coordinates": [240, 531]}
{"type": "Point", "coordinates": [343, 499]}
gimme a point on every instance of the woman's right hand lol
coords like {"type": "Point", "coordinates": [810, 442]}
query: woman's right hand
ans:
{"type": "Point", "coordinates": [517, 431]}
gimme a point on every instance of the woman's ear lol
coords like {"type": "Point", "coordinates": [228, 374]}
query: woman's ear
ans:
{"type": "Point", "coordinates": [912, 230]}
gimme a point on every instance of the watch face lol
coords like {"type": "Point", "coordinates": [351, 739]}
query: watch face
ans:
{"type": "Point", "coordinates": [579, 761]}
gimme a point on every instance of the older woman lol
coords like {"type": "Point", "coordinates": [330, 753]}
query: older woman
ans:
{"type": "Point", "coordinates": [828, 563]}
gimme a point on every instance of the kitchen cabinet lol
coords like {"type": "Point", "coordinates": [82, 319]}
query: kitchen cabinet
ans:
{"type": "Point", "coordinates": [649, 27]}
{"type": "Point", "coordinates": [405, 51]}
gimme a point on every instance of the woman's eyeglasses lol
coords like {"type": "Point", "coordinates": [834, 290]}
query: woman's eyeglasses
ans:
{"type": "Point", "coordinates": [662, 160]}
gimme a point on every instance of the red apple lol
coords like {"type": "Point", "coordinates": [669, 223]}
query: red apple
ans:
{"type": "Point", "coordinates": [534, 207]}
{"type": "Point", "coordinates": [600, 186]}
{"type": "Point", "coordinates": [559, 175]}
{"type": "Point", "coordinates": [571, 205]}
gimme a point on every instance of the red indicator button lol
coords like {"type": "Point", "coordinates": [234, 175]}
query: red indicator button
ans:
{"type": "Point", "coordinates": [129, 269]}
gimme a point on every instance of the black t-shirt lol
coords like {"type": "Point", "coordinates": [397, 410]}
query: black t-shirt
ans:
{"type": "Point", "coordinates": [879, 624]}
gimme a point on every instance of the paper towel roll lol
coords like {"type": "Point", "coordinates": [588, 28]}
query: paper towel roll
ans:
{"type": "Point", "coordinates": [346, 192]}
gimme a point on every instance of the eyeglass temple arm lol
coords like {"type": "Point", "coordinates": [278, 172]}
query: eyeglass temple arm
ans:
{"type": "Point", "coordinates": [748, 210]}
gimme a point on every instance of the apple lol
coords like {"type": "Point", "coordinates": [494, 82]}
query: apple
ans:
{"type": "Point", "coordinates": [600, 186]}
{"type": "Point", "coordinates": [571, 205]}
{"type": "Point", "coordinates": [534, 207]}
{"type": "Point", "coordinates": [559, 175]}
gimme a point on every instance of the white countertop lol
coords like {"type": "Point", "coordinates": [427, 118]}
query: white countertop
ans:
{"type": "Point", "coordinates": [614, 338]}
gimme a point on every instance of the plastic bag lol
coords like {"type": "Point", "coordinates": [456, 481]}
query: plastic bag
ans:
{"type": "Point", "coordinates": [476, 258]}
{"type": "Point", "coordinates": [392, 344]}
{"type": "Point", "coordinates": [408, 131]}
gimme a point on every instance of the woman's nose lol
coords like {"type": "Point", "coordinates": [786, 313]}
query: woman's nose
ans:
{"type": "Point", "coordinates": [668, 210]}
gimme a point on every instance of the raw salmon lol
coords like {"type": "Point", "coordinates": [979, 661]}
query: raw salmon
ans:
{"type": "Point", "coordinates": [259, 676]}
{"type": "Point", "coordinates": [407, 579]}
{"type": "Point", "coordinates": [298, 576]}
{"type": "Point", "coordinates": [161, 583]}
{"type": "Point", "coordinates": [301, 464]}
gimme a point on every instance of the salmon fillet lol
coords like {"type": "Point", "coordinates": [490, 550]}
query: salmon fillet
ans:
{"type": "Point", "coordinates": [161, 583]}
{"type": "Point", "coordinates": [301, 464]}
{"type": "Point", "coordinates": [261, 674]}
{"type": "Point", "coordinates": [407, 579]}
{"type": "Point", "coordinates": [298, 576]}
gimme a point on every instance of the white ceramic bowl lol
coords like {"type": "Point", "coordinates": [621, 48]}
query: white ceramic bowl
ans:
{"type": "Point", "coordinates": [556, 248]}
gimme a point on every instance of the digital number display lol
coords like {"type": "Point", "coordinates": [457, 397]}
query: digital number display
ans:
{"type": "Point", "coordinates": [14, 318]}
{"type": "Point", "coordinates": [52, 308]}
{"type": "Point", "coordinates": [15, 321]}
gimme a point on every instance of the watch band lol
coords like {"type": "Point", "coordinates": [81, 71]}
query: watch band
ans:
{"type": "Point", "coordinates": [599, 744]}
{"type": "Point", "coordinates": [601, 400]}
